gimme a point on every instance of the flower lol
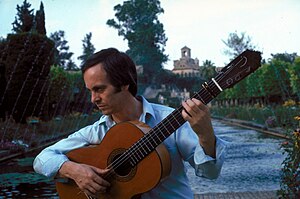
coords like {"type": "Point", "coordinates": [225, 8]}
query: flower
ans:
{"type": "Point", "coordinates": [289, 102]}
{"type": "Point", "coordinates": [285, 143]}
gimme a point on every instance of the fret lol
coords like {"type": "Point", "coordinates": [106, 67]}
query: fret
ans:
{"type": "Point", "coordinates": [149, 142]}
{"type": "Point", "coordinates": [138, 154]}
{"type": "Point", "coordinates": [198, 96]}
{"type": "Point", "coordinates": [161, 130]}
{"type": "Point", "coordinates": [175, 119]}
{"type": "Point", "coordinates": [133, 162]}
{"type": "Point", "coordinates": [167, 126]}
{"type": "Point", "coordinates": [157, 136]}
{"type": "Point", "coordinates": [150, 139]}
{"type": "Point", "coordinates": [170, 123]}
{"type": "Point", "coordinates": [133, 157]}
{"type": "Point", "coordinates": [146, 147]}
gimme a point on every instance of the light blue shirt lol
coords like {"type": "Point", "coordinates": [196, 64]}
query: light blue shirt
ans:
{"type": "Point", "coordinates": [183, 145]}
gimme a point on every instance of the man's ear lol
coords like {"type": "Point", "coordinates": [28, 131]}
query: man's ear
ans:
{"type": "Point", "coordinates": [125, 87]}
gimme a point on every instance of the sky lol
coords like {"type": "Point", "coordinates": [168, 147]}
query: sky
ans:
{"type": "Point", "coordinates": [201, 25]}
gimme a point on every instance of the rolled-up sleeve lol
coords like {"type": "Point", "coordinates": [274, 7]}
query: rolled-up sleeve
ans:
{"type": "Point", "coordinates": [206, 166]}
{"type": "Point", "coordinates": [191, 151]}
{"type": "Point", "coordinates": [49, 161]}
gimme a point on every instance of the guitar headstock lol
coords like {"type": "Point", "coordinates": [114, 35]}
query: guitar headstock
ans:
{"type": "Point", "coordinates": [243, 65]}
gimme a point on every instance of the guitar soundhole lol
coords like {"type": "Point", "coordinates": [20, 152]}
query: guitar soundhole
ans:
{"type": "Point", "coordinates": [124, 171]}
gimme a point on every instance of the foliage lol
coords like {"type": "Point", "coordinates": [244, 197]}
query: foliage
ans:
{"type": "Point", "coordinates": [294, 71]}
{"type": "Point", "coordinates": [137, 21]}
{"type": "Point", "coordinates": [59, 84]}
{"type": "Point", "coordinates": [67, 93]}
{"type": "Point", "coordinates": [25, 18]}
{"type": "Point", "coordinates": [62, 55]}
{"type": "Point", "coordinates": [208, 70]}
{"type": "Point", "coordinates": [40, 20]}
{"type": "Point", "coordinates": [286, 57]}
{"type": "Point", "coordinates": [283, 116]}
{"type": "Point", "coordinates": [27, 61]}
{"type": "Point", "coordinates": [3, 46]}
{"type": "Point", "coordinates": [290, 176]}
{"type": "Point", "coordinates": [274, 82]}
{"type": "Point", "coordinates": [71, 66]}
{"type": "Point", "coordinates": [26, 21]}
{"type": "Point", "coordinates": [253, 86]}
{"type": "Point", "coordinates": [237, 44]}
{"type": "Point", "coordinates": [88, 48]}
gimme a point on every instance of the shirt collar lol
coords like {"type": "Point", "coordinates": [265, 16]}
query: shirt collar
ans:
{"type": "Point", "coordinates": [147, 112]}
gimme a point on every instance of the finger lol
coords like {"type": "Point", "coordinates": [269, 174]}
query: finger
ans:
{"type": "Point", "coordinates": [90, 192]}
{"type": "Point", "coordinates": [190, 107]}
{"type": "Point", "coordinates": [98, 179]}
{"type": "Point", "coordinates": [185, 111]}
{"type": "Point", "coordinates": [98, 188]}
{"type": "Point", "coordinates": [200, 104]}
{"type": "Point", "coordinates": [101, 182]}
{"type": "Point", "coordinates": [101, 171]}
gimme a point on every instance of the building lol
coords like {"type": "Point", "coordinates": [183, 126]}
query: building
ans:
{"type": "Point", "coordinates": [186, 66]}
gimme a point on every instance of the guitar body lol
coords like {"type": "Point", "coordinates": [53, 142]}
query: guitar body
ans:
{"type": "Point", "coordinates": [126, 182]}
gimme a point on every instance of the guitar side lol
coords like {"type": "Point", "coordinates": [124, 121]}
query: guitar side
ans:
{"type": "Point", "coordinates": [125, 183]}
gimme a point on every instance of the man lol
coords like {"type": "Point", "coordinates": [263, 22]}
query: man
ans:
{"type": "Point", "coordinates": [111, 78]}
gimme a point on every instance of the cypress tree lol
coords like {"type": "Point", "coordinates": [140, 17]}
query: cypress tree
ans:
{"type": "Point", "coordinates": [24, 19]}
{"type": "Point", "coordinates": [40, 20]}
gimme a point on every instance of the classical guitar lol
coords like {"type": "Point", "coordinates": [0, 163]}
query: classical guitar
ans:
{"type": "Point", "coordinates": [135, 153]}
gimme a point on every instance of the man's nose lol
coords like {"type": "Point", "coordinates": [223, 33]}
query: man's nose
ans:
{"type": "Point", "coordinates": [94, 97]}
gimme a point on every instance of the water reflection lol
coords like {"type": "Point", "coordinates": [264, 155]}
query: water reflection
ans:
{"type": "Point", "coordinates": [18, 180]}
{"type": "Point", "coordinates": [252, 164]}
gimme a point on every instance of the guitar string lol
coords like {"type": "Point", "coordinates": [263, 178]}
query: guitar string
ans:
{"type": "Point", "coordinates": [118, 162]}
{"type": "Point", "coordinates": [145, 139]}
{"type": "Point", "coordinates": [177, 112]}
{"type": "Point", "coordinates": [132, 150]}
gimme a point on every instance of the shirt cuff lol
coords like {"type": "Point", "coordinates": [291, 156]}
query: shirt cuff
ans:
{"type": "Point", "coordinates": [200, 157]}
{"type": "Point", "coordinates": [52, 166]}
{"type": "Point", "coordinates": [205, 165]}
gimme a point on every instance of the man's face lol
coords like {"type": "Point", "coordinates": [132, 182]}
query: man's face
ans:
{"type": "Point", "coordinates": [103, 93]}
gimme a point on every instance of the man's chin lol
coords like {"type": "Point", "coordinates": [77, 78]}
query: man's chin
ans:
{"type": "Point", "coordinates": [105, 111]}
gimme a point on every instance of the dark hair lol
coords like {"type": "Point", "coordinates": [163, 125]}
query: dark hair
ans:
{"type": "Point", "coordinates": [119, 67]}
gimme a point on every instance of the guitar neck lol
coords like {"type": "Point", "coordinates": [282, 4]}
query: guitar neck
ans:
{"type": "Point", "coordinates": [245, 64]}
{"type": "Point", "coordinates": [170, 124]}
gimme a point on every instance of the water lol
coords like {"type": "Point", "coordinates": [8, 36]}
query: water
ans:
{"type": "Point", "coordinates": [252, 163]}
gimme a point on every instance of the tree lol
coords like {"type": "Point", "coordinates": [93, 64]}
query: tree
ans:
{"type": "Point", "coordinates": [88, 48]}
{"type": "Point", "coordinates": [27, 65]}
{"type": "Point", "coordinates": [294, 71]}
{"type": "Point", "coordinates": [286, 57]}
{"type": "Point", "coordinates": [208, 70]}
{"type": "Point", "coordinates": [237, 44]}
{"type": "Point", "coordinates": [137, 21]}
{"type": "Point", "coordinates": [61, 55]}
{"type": "Point", "coordinates": [24, 19]}
{"type": "Point", "coordinates": [40, 20]}
{"type": "Point", "coordinates": [71, 65]}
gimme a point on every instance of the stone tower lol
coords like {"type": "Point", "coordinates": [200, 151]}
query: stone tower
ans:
{"type": "Point", "coordinates": [186, 66]}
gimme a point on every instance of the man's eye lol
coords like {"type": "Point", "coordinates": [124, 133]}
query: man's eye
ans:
{"type": "Point", "coordinates": [99, 90]}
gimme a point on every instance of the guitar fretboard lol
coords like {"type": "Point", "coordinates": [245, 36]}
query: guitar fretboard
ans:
{"type": "Point", "coordinates": [166, 127]}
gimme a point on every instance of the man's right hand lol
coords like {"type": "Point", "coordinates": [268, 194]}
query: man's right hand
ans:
{"type": "Point", "coordinates": [88, 178]}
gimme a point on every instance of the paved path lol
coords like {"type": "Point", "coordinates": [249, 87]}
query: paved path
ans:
{"type": "Point", "coordinates": [239, 195]}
